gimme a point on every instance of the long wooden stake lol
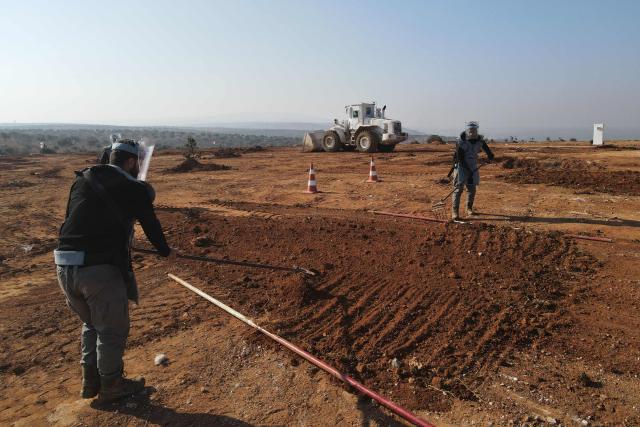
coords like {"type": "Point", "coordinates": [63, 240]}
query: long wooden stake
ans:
{"type": "Point", "coordinates": [398, 410]}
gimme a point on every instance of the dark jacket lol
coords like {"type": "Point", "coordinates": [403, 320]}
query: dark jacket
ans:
{"type": "Point", "coordinates": [103, 158]}
{"type": "Point", "coordinates": [91, 227]}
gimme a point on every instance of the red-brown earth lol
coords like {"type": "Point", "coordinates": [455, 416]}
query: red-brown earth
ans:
{"type": "Point", "coordinates": [503, 319]}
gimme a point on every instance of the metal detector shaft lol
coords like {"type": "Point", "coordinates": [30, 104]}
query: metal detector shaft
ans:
{"type": "Point", "coordinates": [441, 201]}
{"type": "Point", "coordinates": [232, 262]}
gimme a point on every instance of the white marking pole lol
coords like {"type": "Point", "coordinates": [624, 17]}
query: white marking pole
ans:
{"type": "Point", "coordinates": [398, 410]}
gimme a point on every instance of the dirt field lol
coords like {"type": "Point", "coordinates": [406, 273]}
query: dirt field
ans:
{"type": "Point", "coordinates": [503, 320]}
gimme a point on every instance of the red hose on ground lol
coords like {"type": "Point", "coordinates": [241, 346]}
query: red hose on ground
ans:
{"type": "Point", "coordinates": [398, 410]}
{"type": "Point", "coordinates": [424, 218]}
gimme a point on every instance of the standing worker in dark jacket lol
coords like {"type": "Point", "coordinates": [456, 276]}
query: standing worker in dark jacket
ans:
{"type": "Point", "coordinates": [466, 167]}
{"type": "Point", "coordinates": [94, 266]}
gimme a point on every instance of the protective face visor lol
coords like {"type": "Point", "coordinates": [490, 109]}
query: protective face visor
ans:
{"type": "Point", "coordinates": [115, 137]}
{"type": "Point", "coordinates": [472, 130]}
{"type": "Point", "coordinates": [145, 152]}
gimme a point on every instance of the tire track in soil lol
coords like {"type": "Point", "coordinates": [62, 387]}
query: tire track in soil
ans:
{"type": "Point", "coordinates": [362, 312]}
{"type": "Point", "coordinates": [458, 300]}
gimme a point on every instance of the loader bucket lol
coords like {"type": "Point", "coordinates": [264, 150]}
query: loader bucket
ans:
{"type": "Point", "coordinates": [312, 141]}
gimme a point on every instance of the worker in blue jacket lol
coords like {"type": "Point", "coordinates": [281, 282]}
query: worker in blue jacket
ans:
{"type": "Point", "coordinates": [466, 172]}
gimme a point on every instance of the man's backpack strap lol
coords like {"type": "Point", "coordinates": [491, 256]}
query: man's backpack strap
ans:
{"type": "Point", "coordinates": [99, 189]}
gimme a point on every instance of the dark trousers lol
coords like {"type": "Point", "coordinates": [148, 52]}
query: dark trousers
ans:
{"type": "Point", "coordinates": [98, 295]}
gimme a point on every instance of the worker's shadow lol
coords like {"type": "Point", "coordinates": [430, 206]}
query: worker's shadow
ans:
{"type": "Point", "coordinates": [141, 407]}
{"type": "Point", "coordinates": [490, 216]}
{"type": "Point", "coordinates": [373, 415]}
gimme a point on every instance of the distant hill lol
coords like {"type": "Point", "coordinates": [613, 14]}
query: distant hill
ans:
{"type": "Point", "coordinates": [271, 129]}
{"type": "Point", "coordinates": [20, 139]}
{"type": "Point", "coordinates": [277, 128]}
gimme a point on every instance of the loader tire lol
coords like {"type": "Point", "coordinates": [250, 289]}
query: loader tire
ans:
{"type": "Point", "coordinates": [367, 142]}
{"type": "Point", "coordinates": [331, 141]}
{"type": "Point", "coordinates": [386, 148]}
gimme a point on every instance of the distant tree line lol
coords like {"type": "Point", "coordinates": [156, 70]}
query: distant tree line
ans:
{"type": "Point", "coordinates": [20, 141]}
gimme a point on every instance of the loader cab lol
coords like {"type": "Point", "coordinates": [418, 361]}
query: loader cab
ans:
{"type": "Point", "coordinates": [360, 114]}
{"type": "Point", "coordinates": [353, 115]}
{"type": "Point", "coordinates": [369, 111]}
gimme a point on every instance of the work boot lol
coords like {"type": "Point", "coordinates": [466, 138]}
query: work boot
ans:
{"type": "Point", "coordinates": [90, 381]}
{"type": "Point", "coordinates": [116, 387]}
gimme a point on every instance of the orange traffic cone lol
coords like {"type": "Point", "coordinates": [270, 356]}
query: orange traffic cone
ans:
{"type": "Point", "coordinates": [311, 185]}
{"type": "Point", "coordinates": [373, 174]}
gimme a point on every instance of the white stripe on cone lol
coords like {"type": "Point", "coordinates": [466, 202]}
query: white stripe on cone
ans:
{"type": "Point", "coordinates": [373, 174]}
{"type": "Point", "coordinates": [311, 184]}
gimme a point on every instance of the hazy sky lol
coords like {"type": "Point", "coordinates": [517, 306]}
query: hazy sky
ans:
{"type": "Point", "coordinates": [509, 64]}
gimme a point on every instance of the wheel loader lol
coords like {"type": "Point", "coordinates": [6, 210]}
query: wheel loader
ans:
{"type": "Point", "coordinates": [365, 129]}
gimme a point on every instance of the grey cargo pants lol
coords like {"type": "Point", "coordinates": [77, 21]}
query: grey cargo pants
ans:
{"type": "Point", "coordinates": [457, 193]}
{"type": "Point", "coordinates": [98, 295]}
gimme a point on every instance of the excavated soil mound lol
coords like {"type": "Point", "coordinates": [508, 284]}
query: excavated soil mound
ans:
{"type": "Point", "coordinates": [191, 165]}
{"type": "Point", "coordinates": [17, 183]}
{"type": "Point", "coordinates": [224, 153]}
{"type": "Point", "coordinates": [448, 303]}
{"type": "Point", "coordinates": [254, 149]}
{"type": "Point", "coordinates": [49, 173]}
{"type": "Point", "coordinates": [233, 152]}
{"type": "Point", "coordinates": [572, 173]}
